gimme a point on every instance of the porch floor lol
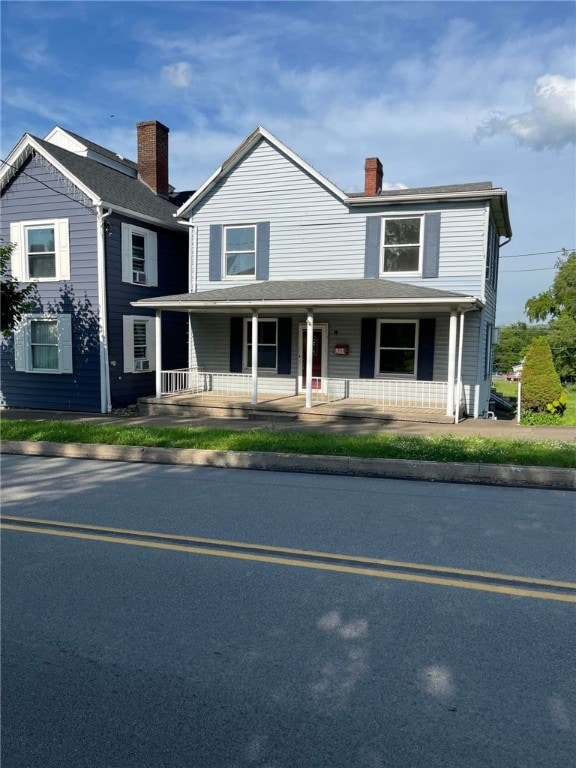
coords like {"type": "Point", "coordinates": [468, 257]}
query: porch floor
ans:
{"type": "Point", "coordinates": [286, 407]}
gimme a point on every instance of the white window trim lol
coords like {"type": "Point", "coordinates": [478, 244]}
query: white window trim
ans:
{"type": "Point", "coordinates": [128, 342]}
{"type": "Point", "coordinates": [19, 260]}
{"type": "Point", "coordinates": [247, 358]}
{"type": "Point", "coordinates": [225, 274]}
{"type": "Point", "coordinates": [396, 321]}
{"type": "Point", "coordinates": [150, 255]}
{"type": "Point", "coordinates": [23, 344]}
{"type": "Point", "coordinates": [414, 273]}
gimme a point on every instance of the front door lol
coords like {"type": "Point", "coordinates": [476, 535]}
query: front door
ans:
{"type": "Point", "coordinates": [318, 357]}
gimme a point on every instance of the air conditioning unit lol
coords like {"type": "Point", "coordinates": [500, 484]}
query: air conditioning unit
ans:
{"type": "Point", "coordinates": [139, 277]}
{"type": "Point", "coordinates": [141, 365]}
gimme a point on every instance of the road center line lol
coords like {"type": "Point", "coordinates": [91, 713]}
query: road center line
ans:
{"type": "Point", "coordinates": [12, 523]}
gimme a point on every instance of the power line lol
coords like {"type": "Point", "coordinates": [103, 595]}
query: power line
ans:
{"type": "Point", "coordinates": [536, 269]}
{"type": "Point", "coordinates": [539, 253]}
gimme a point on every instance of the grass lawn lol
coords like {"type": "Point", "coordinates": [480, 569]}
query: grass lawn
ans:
{"type": "Point", "coordinates": [434, 448]}
{"type": "Point", "coordinates": [510, 389]}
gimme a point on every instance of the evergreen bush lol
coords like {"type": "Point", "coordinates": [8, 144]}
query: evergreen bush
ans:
{"type": "Point", "coordinates": [541, 387]}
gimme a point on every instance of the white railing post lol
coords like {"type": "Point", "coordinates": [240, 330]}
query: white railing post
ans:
{"type": "Point", "coordinates": [459, 374]}
{"type": "Point", "coordinates": [158, 351]}
{"type": "Point", "coordinates": [254, 357]}
{"type": "Point", "coordinates": [451, 363]}
{"type": "Point", "coordinates": [309, 349]}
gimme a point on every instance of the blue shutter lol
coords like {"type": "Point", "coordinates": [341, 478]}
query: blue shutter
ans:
{"type": "Point", "coordinates": [215, 253]}
{"type": "Point", "coordinates": [285, 345]}
{"type": "Point", "coordinates": [368, 348]}
{"type": "Point", "coordinates": [262, 250]}
{"type": "Point", "coordinates": [431, 256]}
{"type": "Point", "coordinates": [236, 342]}
{"type": "Point", "coordinates": [372, 248]}
{"type": "Point", "coordinates": [426, 335]}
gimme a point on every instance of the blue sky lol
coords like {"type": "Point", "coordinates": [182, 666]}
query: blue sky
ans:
{"type": "Point", "coordinates": [442, 92]}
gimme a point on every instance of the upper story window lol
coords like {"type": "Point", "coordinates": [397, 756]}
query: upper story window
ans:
{"type": "Point", "coordinates": [43, 344]}
{"type": "Point", "coordinates": [139, 255]}
{"type": "Point", "coordinates": [41, 250]}
{"type": "Point", "coordinates": [402, 245]}
{"type": "Point", "coordinates": [240, 251]}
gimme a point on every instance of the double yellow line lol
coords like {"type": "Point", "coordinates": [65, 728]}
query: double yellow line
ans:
{"type": "Point", "coordinates": [484, 581]}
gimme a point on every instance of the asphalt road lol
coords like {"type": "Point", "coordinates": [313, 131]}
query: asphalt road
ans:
{"type": "Point", "coordinates": [126, 649]}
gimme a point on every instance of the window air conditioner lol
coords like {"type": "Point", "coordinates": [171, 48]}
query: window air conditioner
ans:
{"type": "Point", "coordinates": [141, 365]}
{"type": "Point", "coordinates": [139, 277]}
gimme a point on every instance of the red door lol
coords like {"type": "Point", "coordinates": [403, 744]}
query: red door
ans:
{"type": "Point", "coordinates": [316, 358]}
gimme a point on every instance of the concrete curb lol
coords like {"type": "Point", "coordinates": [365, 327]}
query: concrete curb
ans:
{"type": "Point", "coordinates": [486, 474]}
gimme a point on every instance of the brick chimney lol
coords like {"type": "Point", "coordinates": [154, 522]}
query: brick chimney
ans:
{"type": "Point", "coordinates": [373, 174]}
{"type": "Point", "coordinates": [153, 155]}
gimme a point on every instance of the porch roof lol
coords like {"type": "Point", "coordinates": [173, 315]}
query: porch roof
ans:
{"type": "Point", "coordinates": [363, 292]}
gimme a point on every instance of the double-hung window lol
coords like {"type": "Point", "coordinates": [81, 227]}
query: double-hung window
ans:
{"type": "Point", "coordinates": [396, 346]}
{"type": "Point", "coordinates": [240, 251]}
{"type": "Point", "coordinates": [402, 245]}
{"type": "Point", "coordinates": [139, 343]}
{"type": "Point", "coordinates": [41, 250]}
{"type": "Point", "coordinates": [267, 343]}
{"type": "Point", "coordinates": [139, 255]}
{"type": "Point", "coordinates": [43, 344]}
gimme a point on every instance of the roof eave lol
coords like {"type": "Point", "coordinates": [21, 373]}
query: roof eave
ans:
{"type": "Point", "coordinates": [471, 302]}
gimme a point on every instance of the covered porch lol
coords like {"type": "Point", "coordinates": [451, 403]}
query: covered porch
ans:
{"type": "Point", "coordinates": [319, 348]}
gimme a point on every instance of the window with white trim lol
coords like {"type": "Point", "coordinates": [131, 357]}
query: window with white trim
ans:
{"type": "Point", "coordinates": [139, 255]}
{"type": "Point", "coordinates": [43, 344]}
{"type": "Point", "coordinates": [267, 343]}
{"type": "Point", "coordinates": [139, 343]}
{"type": "Point", "coordinates": [402, 245]}
{"type": "Point", "coordinates": [396, 348]}
{"type": "Point", "coordinates": [41, 250]}
{"type": "Point", "coordinates": [239, 248]}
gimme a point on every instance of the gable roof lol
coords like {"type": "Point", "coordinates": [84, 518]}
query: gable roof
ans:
{"type": "Point", "coordinates": [305, 293]}
{"type": "Point", "coordinates": [102, 184]}
{"type": "Point", "coordinates": [482, 190]}
{"type": "Point", "coordinates": [260, 134]}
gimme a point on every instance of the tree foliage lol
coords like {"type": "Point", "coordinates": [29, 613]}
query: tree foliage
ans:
{"type": "Point", "coordinates": [15, 299]}
{"type": "Point", "coordinates": [513, 344]}
{"type": "Point", "coordinates": [541, 386]}
{"type": "Point", "coordinates": [558, 303]}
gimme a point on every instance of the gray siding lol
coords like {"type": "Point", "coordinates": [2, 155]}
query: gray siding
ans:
{"type": "Point", "coordinates": [313, 235]}
{"type": "Point", "coordinates": [40, 192]}
{"type": "Point", "coordinates": [126, 388]}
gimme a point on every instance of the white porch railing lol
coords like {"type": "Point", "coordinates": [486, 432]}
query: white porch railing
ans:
{"type": "Point", "coordinates": [383, 392]}
{"type": "Point", "coordinates": [379, 392]}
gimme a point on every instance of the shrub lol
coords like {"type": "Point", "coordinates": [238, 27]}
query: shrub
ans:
{"type": "Point", "coordinates": [541, 384]}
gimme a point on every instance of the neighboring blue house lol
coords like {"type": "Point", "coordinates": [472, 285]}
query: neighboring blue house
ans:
{"type": "Point", "coordinates": [94, 232]}
{"type": "Point", "coordinates": [302, 290]}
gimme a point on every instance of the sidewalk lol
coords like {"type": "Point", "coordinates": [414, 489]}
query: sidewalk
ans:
{"type": "Point", "coordinates": [479, 427]}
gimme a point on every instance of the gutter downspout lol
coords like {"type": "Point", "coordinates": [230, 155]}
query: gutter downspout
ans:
{"type": "Point", "coordinates": [105, 396]}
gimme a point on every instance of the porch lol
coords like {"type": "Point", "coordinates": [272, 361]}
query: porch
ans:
{"type": "Point", "coordinates": [193, 391]}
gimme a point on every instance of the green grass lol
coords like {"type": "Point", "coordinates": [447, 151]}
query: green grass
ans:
{"type": "Point", "coordinates": [510, 389]}
{"type": "Point", "coordinates": [444, 448]}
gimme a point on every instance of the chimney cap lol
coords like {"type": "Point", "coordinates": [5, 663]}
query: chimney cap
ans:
{"type": "Point", "coordinates": [145, 123]}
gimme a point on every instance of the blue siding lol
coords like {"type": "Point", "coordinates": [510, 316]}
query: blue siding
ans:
{"type": "Point", "coordinates": [41, 192]}
{"type": "Point", "coordinates": [126, 388]}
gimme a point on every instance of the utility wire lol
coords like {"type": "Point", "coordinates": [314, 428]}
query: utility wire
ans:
{"type": "Point", "coordinates": [536, 269]}
{"type": "Point", "coordinates": [540, 253]}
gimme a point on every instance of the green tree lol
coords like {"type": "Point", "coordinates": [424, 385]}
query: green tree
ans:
{"type": "Point", "coordinates": [559, 304]}
{"type": "Point", "coordinates": [513, 343]}
{"type": "Point", "coordinates": [15, 300]}
{"type": "Point", "coordinates": [541, 386]}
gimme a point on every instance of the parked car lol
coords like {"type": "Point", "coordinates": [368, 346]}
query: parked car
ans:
{"type": "Point", "coordinates": [514, 375]}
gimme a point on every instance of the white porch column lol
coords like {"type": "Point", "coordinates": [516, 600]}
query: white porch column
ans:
{"type": "Point", "coordinates": [451, 362]}
{"type": "Point", "coordinates": [459, 374]}
{"type": "Point", "coordinates": [158, 351]}
{"type": "Point", "coordinates": [254, 357]}
{"type": "Point", "coordinates": [309, 343]}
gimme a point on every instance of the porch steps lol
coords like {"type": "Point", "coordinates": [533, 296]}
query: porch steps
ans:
{"type": "Point", "coordinates": [283, 410]}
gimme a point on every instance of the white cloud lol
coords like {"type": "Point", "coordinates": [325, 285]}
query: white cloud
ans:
{"type": "Point", "coordinates": [549, 124]}
{"type": "Point", "coordinates": [178, 74]}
